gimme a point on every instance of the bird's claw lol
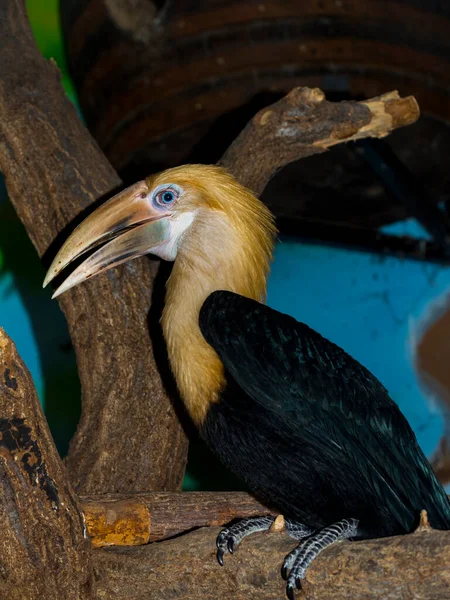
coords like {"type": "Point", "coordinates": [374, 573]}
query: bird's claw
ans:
{"type": "Point", "coordinates": [290, 592]}
{"type": "Point", "coordinates": [220, 553]}
{"type": "Point", "coordinates": [289, 562]}
{"type": "Point", "coordinates": [293, 572]}
{"type": "Point", "coordinates": [293, 581]}
{"type": "Point", "coordinates": [296, 574]}
{"type": "Point", "coordinates": [229, 538]}
{"type": "Point", "coordinates": [225, 543]}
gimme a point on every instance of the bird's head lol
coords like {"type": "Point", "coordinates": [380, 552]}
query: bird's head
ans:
{"type": "Point", "coordinates": [193, 210]}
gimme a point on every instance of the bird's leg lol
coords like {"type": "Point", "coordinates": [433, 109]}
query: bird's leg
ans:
{"type": "Point", "coordinates": [229, 538]}
{"type": "Point", "coordinates": [297, 530]}
{"type": "Point", "coordinates": [301, 557]}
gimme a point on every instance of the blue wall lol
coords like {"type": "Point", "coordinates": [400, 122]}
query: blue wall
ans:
{"type": "Point", "coordinates": [369, 306]}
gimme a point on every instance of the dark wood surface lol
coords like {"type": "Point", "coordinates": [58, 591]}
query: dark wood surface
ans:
{"type": "Point", "coordinates": [166, 82]}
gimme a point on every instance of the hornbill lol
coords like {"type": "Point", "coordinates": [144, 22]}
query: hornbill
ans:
{"type": "Point", "coordinates": [309, 430]}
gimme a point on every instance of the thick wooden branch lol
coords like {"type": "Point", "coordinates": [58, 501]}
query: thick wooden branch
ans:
{"type": "Point", "coordinates": [186, 565]}
{"type": "Point", "coordinates": [44, 547]}
{"type": "Point", "coordinates": [413, 567]}
{"type": "Point", "coordinates": [129, 437]}
{"type": "Point", "coordinates": [133, 520]}
{"type": "Point", "coordinates": [303, 123]}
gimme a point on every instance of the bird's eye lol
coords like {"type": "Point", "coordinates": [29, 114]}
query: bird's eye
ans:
{"type": "Point", "coordinates": [165, 197]}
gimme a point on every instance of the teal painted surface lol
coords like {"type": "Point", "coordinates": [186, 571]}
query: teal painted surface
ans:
{"type": "Point", "coordinates": [370, 307]}
{"type": "Point", "coordinates": [37, 326]}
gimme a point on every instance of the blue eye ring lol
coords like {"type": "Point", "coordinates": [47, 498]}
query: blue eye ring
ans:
{"type": "Point", "coordinates": [166, 195]}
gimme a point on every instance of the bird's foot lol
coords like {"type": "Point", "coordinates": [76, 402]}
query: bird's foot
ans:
{"type": "Point", "coordinates": [230, 537]}
{"type": "Point", "coordinates": [297, 561]}
{"type": "Point", "coordinates": [297, 530]}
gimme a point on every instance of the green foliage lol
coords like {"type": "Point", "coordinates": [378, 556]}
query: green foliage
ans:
{"type": "Point", "coordinates": [44, 20]}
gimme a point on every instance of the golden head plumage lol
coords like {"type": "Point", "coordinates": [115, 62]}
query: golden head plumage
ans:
{"type": "Point", "coordinates": [219, 235]}
{"type": "Point", "coordinates": [224, 210]}
{"type": "Point", "coordinates": [229, 247]}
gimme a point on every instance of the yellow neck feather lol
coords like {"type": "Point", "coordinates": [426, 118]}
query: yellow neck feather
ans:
{"type": "Point", "coordinates": [223, 251]}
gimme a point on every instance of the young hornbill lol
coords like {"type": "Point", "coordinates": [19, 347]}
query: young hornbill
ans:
{"type": "Point", "coordinates": [311, 432]}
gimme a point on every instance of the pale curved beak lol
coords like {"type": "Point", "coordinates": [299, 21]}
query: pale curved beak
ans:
{"type": "Point", "coordinates": [131, 224]}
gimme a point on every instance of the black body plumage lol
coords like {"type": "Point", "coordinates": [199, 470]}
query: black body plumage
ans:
{"type": "Point", "coordinates": [311, 431]}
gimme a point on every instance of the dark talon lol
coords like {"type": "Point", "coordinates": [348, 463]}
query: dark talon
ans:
{"type": "Point", "coordinates": [284, 572]}
{"type": "Point", "coordinates": [230, 545]}
{"type": "Point", "coordinates": [298, 583]}
{"type": "Point", "coordinates": [290, 592]}
{"type": "Point", "coordinates": [220, 553]}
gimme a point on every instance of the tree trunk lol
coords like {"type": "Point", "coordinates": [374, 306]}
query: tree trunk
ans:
{"type": "Point", "coordinates": [44, 547]}
{"type": "Point", "coordinates": [129, 437]}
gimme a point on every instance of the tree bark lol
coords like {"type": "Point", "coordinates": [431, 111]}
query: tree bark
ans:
{"type": "Point", "coordinates": [412, 566]}
{"type": "Point", "coordinates": [129, 437]}
{"type": "Point", "coordinates": [44, 547]}
{"type": "Point", "coordinates": [303, 123]}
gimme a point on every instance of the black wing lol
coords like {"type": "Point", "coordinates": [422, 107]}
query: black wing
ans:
{"type": "Point", "coordinates": [326, 399]}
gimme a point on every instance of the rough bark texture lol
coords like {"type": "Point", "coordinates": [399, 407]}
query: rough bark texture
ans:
{"type": "Point", "coordinates": [413, 567]}
{"type": "Point", "coordinates": [125, 520]}
{"type": "Point", "coordinates": [44, 548]}
{"type": "Point", "coordinates": [129, 437]}
{"type": "Point", "coordinates": [303, 123]}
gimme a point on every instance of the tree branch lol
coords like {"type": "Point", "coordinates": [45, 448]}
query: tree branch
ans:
{"type": "Point", "coordinates": [303, 123]}
{"type": "Point", "coordinates": [413, 566]}
{"type": "Point", "coordinates": [133, 520]}
{"type": "Point", "coordinates": [129, 437]}
{"type": "Point", "coordinates": [44, 549]}
{"type": "Point", "coordinates": [390, 567]}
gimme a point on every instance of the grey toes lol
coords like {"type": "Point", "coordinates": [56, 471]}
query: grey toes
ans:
{"type": "Point", "coordinates": [223, 545]}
